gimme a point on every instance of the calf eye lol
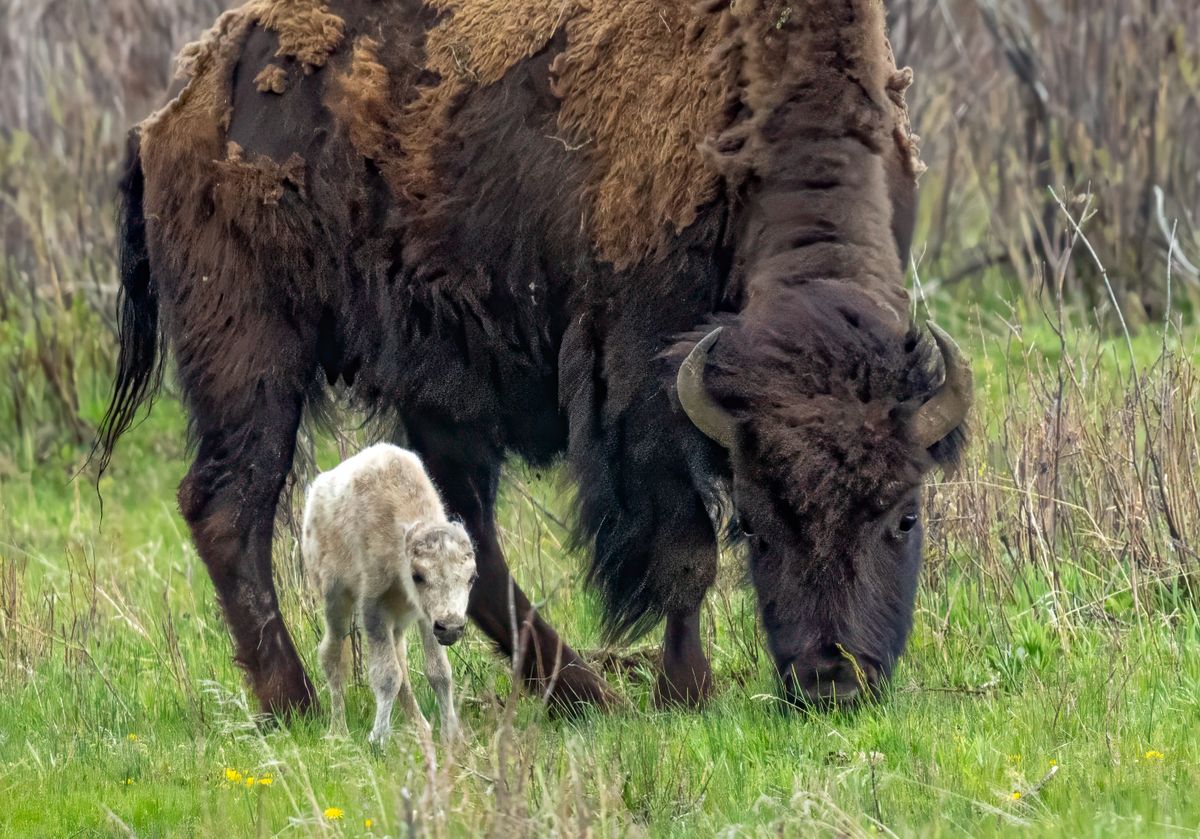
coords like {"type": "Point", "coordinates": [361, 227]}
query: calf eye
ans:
{"type": "Point", "coordinates": [907, 523]}
{"type": "Point", "coordinates": [419, 579]}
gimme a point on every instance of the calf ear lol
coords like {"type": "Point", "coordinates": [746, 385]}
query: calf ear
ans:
{"type": "Point", "coordinates": [461, 531]}
{"type": "Point", "coordinates": [406, 535]}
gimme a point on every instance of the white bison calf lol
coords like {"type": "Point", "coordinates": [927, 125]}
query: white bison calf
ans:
{"type": "Point", "coordinates": [376, 538]}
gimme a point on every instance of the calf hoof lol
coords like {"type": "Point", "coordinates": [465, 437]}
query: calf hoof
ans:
{"type": "Point", "coordinates": [688, 689]}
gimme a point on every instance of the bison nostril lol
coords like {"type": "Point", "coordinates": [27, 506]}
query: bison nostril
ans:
{"type": "Point", "coordinates": [438, 626]}
{"type": "Point", "coordinates": [826, 682]}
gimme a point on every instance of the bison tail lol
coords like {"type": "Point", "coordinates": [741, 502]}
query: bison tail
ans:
{"type": "Point", "coordinates": [140, 360]}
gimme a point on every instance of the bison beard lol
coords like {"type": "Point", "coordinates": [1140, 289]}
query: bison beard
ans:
{"type": "Point", "coordinates": [512, 249]}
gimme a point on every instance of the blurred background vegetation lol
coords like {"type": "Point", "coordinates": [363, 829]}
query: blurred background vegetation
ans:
{"type": "Point", "coordinates": [1089, 98]}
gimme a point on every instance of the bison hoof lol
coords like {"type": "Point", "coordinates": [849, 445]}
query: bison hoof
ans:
{"type": "Point", "coordinates": [286, 695]}
{"type": "Point", "coordinates": [689, 689]}
{"type": "Point", "coordinates": [577, 689]}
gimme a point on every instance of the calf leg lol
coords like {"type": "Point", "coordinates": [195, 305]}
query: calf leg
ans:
{"type": "Point", "coordinates": [338, 612]}
{"type": "Point", "coordinates": [384, 672]}
{"type": "Point", "coordinates": [228, 499]}
{"type": "Point", "coordinates": [408, 700]}
{"type": "Point", "coordinates": [437, 671]}
{"type": "Point", "coordinates": [469, 478]}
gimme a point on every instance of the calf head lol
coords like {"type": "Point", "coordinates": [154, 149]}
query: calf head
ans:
{"type": "Point", "coordinates": [443, 570]}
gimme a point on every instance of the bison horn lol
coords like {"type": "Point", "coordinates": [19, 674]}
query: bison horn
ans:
{"type": "Point", "coordinates": [946, 409]}
{"type": "Point", "coordinates": [701, 408]}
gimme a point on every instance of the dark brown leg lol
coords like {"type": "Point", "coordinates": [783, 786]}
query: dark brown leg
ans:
{"type": "Point", "coordinates": [686, 677]}
{"type": "Point", "coordinates": [468, 477]}
{"type": "Point", "coordinates": [228, 500]}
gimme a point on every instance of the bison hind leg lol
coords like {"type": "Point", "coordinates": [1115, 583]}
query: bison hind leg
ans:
{"type": "Point", "coordinates": [245, 395]}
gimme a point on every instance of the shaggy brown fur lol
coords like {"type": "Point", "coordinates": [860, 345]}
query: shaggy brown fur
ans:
{"type": "Point", "coordinates": [260, 179]}
{"type": "Point", "coordinates": [831, 48]}
{"type": "Point", "coordinates": [826, 72]}
{"type": "Point", "coordinates": [641, 126]}
{"type": "Point", "coordinates": [272, 79]}
{"type": "Point", "coordinates": [649, 175]}
{"type": "Point", "coordinates": [203, 104]}
{"type": "Point", "coordinates": [307, 31]}
{"type": "Point", "coordinates": [361, 100]}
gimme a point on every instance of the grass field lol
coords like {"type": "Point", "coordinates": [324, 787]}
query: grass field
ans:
{"type": "Point", "coordinates": [1051, 687]}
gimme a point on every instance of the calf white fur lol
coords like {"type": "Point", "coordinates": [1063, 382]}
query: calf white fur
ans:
{"type": "Point", "coordinates": [376, 538]}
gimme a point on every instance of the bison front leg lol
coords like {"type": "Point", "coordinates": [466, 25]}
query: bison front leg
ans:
{"type": "Point", "coordinates": [467, 473]}
{"type": "Point", "coordinates": [655, 547]}
{"type": "Point", "coordinates": [686, 676]}
{"type": "Point", "coordinates": [682, 570]}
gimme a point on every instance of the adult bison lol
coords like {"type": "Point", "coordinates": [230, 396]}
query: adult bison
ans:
{"type": "Point", "coordinates": [668, 240]}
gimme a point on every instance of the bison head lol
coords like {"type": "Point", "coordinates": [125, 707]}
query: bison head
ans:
{"type": "Point", "coordinates": [832, 412]}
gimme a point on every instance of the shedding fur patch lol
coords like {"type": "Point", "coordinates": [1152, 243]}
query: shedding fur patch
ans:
{"type": "Point", "coordinates": [199, 115]}
{"type": "Point", "coordinates": [638, 98]}
{"type": "Point", "coordinates": [908, 142]}
{"type": "Point", "coordinates": [307, 30]}
{"type": "Point", "coordinates": [193, 125]}
{"type": "Point", "coordinates": [480, 40]}
{"type": "Point", "coordinates": [474, 44]}
{"type": "Point", "coordinates": [361, 101]}
{"type": "Point", "coordinates": [272, 79]}
{"type": "Point", "coordinates": [259, 178]}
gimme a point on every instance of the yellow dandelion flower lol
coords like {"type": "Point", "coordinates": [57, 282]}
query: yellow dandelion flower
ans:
{"type": "Point", "coordinates": [128, 781]}
{"type": "Point", "coordinates": [1054, 763]}
{"type": "Point", "coordinates": [368, 823]}
{"type": "Point", "coordinates": [132, 738]}
{"type": "Point", "coordinates": [1016, 796]}
{"type": "Point", "coordinates": [251, 780]}
{"type": "Point", "coordinates": [265, 781]}
{"type": "Point", "coordinates": [1154, 754]}
{"type": "Point", "coordinates": [233, 776]}
{"type": "Point", "coordinates": [334, 813]}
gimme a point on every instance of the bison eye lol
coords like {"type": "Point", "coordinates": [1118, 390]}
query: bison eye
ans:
{"type": "Point", "coordinates": [419, 579]}
{"type": "Point", "coordinates": [907, 523]}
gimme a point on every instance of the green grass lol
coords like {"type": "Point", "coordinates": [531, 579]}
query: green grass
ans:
{"type": "Point", "coordinates": [121, 710]}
